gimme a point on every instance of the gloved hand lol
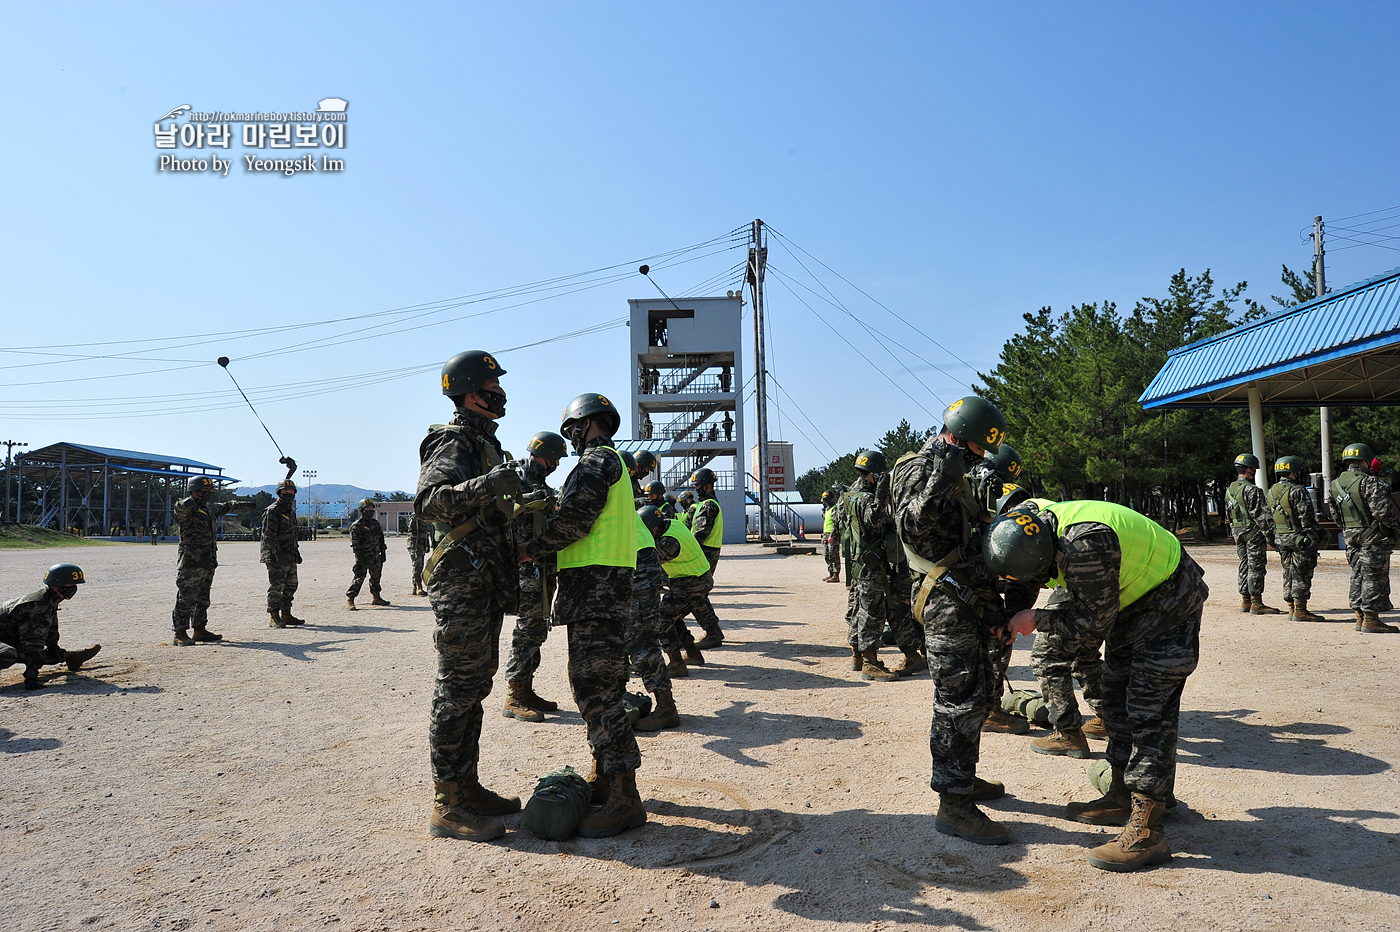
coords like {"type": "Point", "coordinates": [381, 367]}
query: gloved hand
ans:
{"type": "Point", "coordinates": [882, 488]}
{"type": "Point", "coordinates": [954, 463]}
{"type": "Point", "coordinates": [503, 480]}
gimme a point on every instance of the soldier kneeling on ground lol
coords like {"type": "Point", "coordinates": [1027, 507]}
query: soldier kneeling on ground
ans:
{"type": "Point", "coordinates": [29, 626]}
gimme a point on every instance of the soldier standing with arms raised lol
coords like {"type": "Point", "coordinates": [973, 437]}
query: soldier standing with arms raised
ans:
{"type": "Point", "coordinates": [367, 544]}
{"type": "Point", "coordinates": [1296, 535]}
{"type": "Point", "coordinates": [594, 533]}
{"type": "Point", "coordinates": [463, 482]}
{"type": "Point", "coordinates": [199, 549]}
{"type": "Point", "coordinates": [1370, 525]}
{"type": "Point", "coordinates": [281, 552]}
{"type": "Point", "coordinates": [1252, 524]}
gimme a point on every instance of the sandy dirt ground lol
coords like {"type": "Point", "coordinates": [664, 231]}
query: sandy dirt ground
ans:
{"type": "Point", "coordinates": [279, 780]}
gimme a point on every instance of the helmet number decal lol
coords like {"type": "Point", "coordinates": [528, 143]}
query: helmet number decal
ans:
{"type": "Point", "coordinates": [1028, 524]}
{"type": "Point", "coordinates": [995, 436]}
{"type": "Point", "coordinates": [490, 363]}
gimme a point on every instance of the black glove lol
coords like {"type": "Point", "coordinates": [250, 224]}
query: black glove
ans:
{"type": "Point", "coordinates": [882, 488]}
{"type": "Point", "coordinates": [503, 480]}
{"type": "Point", "coordinates": [954, 463]}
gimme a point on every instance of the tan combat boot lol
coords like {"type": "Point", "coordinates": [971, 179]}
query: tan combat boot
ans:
{"type": "Point", "coordinates": [453, 818]}
{"type": "Point", "coordinates": [1360, 618]}
{"type": "Point", "coordinates": [289, 619]}
{"type": "Point", "coordinates": [1066, 742]}
{"type": "Point", "coordinates": [620, 811]}
{"type": "Point", "coordinates": [983, 790]}
{"type": "Point", "coordinates": [914, 662]}
{"type": "Point", "coordinates": [379, 600]}
{"type": "Point", "coordinates": [872, 669]}
{"type": "Point", "coordinates": [538, 703]}
{"type": "Point", "coordinates": [488, 803]}
{"type": "Point", "coordinates": [1301, 613]}
{"type": "Point", "coordinates": [693, 655]}
{"type": "Point", "coordinates": [274, 620]}
{"type": "Point", "coordinates": [664, 715]}
{"type": "Point", "coordinates": [714, 637]}
{"type": "Point", "coordinates": [1095, 728]}
{"type": "Point", "coordinates": [1371, 624]}
{"type": "Point", "coordinates": [1140, 843]}
{"type": "Point", "coordinates": [1257, 606]}
{"type": "Point", "coordinates": [675, 667]}
{"type": "Point", "coordinates": [857, 661]}
{"type": "Point", "coordinates": [1244, 601]}
{"type": "Point", "coordinates": [1003, 723]}
{"type": "Point", "coordinates": [958, 815]}
{"type": "Point", "coordinates": [207, 636]}
{"type": "Point", "coordinates": [515, 706]}
{"type": "Point", "coordinates": [1112, 808]}
{"type": "Point", "coordinates": [183, 639]}
{"type": "Point", "coordinates": [599, 785]}
{"type": "Point", "coordinates": [76, 658]}
{"type": "Point", "coordinates": [350, 604]}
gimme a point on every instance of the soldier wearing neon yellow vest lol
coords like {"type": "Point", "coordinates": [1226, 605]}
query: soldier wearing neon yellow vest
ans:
{"type": "Point", "coordinates": [689, 579]}
{"type": "Point", "coordinates": [594, 533]}
{"type": "Point", "coordinates": [708, 527]}
{"type": "Point", "coordinates": [1121, 576]}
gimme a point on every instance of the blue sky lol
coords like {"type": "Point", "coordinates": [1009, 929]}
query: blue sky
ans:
{"type": "Point", "coordinates": [963, 164]}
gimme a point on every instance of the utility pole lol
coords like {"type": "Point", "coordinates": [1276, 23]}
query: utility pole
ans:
{"type": "Point", "coordinates": [1325, 412]}
{"type": "Point", "coordinates": [758, 264]}
{"type": "Point", "coordinates": [307, 475]}
{"type": "Point", "coordinates": [9, 445]}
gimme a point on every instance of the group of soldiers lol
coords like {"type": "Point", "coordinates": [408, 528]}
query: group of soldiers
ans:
{"type": "Point", "coordinates": [1285, 518]}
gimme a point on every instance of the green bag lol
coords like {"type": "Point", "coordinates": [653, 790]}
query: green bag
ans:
{"type": "Point", "coordinates": [558, 806]}
{"type": "Point", "coordinates": [1028, 705]}
{"type": "Point", "coordinates": [1101, 779]}
{"type": "Point", "coordinates": [638, 705]}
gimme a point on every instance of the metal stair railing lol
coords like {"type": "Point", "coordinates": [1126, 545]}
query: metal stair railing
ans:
{"type": "Point", "coordinates": [785, 517]}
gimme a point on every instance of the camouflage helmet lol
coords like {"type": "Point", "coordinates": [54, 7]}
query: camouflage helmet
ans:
{"type": "Point", "coordinates": [1288, 464]}
{"type": "Point", "coordinates": [1011, 495]}
{"type": "Point", "coordinates": [1247, 459]}
{"type": "Point", "coordinates": [364, 503]}
{"type": "Point", "coordinates": [651, 517]}
{"type": "Point", "coordinates": [200, 484]}
{"type": "Point", "coordinates": [646, 462]}
{"type": "Point", "coordinates": [1007, 462]}
{"type": "Point", "coordinates": [286, 485]}
{"type": "Point", "coordinates": [871, 461]}
{"type": "Point", "coordinates": [64, 574]}
{"type": "Point", "coordinates": [548, 446]}
{"type": "Point", "coordinates": [655, 487]}
{"type": "Point", "coordinates": [1357, 451]}
{"type": "Point", "coordinates": [467, 372]}
{"type": "Point", "coordinates": [702, 476]}
{"type": "Point", "coordinates": [976, 419]}
{"type": "Point", "coordinates": [1019, 545]}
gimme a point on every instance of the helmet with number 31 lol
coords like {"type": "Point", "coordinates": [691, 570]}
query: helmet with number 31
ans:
{"type": "Point", "coordinates": [978, 420]}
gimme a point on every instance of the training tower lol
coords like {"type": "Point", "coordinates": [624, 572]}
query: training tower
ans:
{"type": "Point", "coordinates": [687, 394]}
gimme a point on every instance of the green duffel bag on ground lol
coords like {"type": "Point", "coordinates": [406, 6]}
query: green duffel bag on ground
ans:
{"type": "Point", "coordinates": [558, 806]}
{"type": "Point", "coordinates": [1028, 705]}
{"type": "Point", "coordinates": [1101, 778]}
{"type": "Point", "coordinates": [638, 705]}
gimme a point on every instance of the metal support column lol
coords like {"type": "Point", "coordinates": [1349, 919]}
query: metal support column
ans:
{"type": "Point", "coordinates": [1256, 434]}
{"type": "Point", "coordinates": [758, 263]}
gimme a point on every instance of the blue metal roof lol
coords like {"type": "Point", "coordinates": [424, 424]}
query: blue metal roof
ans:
{"type": "Point", "coordinates": [659, 447]}
{"type": "Point", "coordinates": [115, 454]}
{"type": "Point", "coordinates": [1342, 348]}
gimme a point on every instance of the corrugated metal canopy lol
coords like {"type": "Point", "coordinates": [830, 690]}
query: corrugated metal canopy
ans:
{"type": "Point", "coordinates": [1340, 349]}
{"type": "Point", "coordinates": [96, 455]}
{"type": "Point", "coordinates": [660, 447]}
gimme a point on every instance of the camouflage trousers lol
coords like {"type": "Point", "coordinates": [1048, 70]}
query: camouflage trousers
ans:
{"type": "Point", "coordinates": [1299, 564]}
{"type": "Point", "coordinates": [908, 633]}
{"type": "Point", "coordinates": [281, 586]}
{"type": "Point", "coordinates": [192, 585]}
{"type": "Point", "coordinates": [999, 656]}
{"type": "Point", "coordinates": [467, 638]}
{"type": "Point", "coordinates": [1370, 576]}
{"type": "Point", "coordinates": [1253, 554]}
{"type": "Point", "coordinates": [831, 550]}
{"type": "Point", "coordinates": [1054, 658]}
{"type": "Point", "coordinates": [644, 633]}
{"type": "Point", "coordinates": [686, 595]}
{"type": "Point", "coordinates": [531, 629]}
{"type": "Point", "coordinates": [960, 660]}
{"type": "Point", "coordinates": [865, 609]}
{"type": "Point", "coordinates": [417, 569]}
{"type": "Point", "coordinates": [375, 571]}
{"type": "Point", "coordinates": [598, 677]}
{"type": "Point", "coordinates": [1151, 649]}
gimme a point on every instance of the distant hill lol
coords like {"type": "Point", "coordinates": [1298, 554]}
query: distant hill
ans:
{"type": "Point", "coordinates": [321, 493]}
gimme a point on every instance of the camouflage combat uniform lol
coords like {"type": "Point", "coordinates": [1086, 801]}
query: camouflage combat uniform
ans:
{"type": "Point", "coordinates": [684, 595]}
{"type": "Point", "coordinates": [831, 541]}
{"type": "Point", "coordinates": [1151, 646]}
{"type": "Point", "coordinates": [198, 559]}
{"type": "Point", "coordinates": [471, 589]}
{"type": "Point", "coordinates": [868, 578]}
{"type": "Point", "coordinates": [1296, 535]}
{"type": "Point", "coordinates": [1252, 524]}
{"type": "Point", "coordinates": [281, 553]}
{"type": "Point", "coordinates": [594, 601]}
{"type": "Point", "coordinates": [418, 547]}
{"type": "Point", "coordinates": [367, 544]}
{"type": "Point", "coordinates": [647, 636]}
{"type": "Point", "coordinates": [537, 583]}
{"type": "Point", "coordinates": [908, 633]}
{"type": "Point", "coordinates": [29, 625]}
{"type": "Point", "coordinates": [934, 514]}
{"type": "Point", "coordinates": [1054, 659]}
{"type": "Point", "coordinates": [702, 524]}
{"type": "Point", "coordinates": [1369, 542]}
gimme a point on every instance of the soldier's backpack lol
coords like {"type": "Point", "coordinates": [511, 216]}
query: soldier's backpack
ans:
{"type": "Point", "coordinates": [558, 806]}
{"type": "Point", "coordinates": [638, 705]}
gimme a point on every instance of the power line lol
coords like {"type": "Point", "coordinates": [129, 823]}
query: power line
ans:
{"type": "Point", "coordinates": [829, 445]}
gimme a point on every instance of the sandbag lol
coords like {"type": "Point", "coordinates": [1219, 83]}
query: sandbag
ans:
{"type": "Point", "coordinates": [558, 805]}
{"type": "Point", "coordinates": [1101, 779]}
{"type": "Point", "coordinates": [1028, 705]}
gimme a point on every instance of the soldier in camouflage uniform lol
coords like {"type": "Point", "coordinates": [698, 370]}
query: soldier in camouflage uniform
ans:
{"type": "Point", "coordinates": [647, 635]}
{"type": "Point", "coordinates": [281, 552]}
{"type": "Point", "coordinates": [867, 508]}
{"type": "Point", "coordinates": [418, 547]}
{"type": "Point", "coordinates": [464, 487]}
{"type": "Point", "coordinates": [941, 494]}
{"type": "Point", "coordinates": [1120, 577]}
{"type": "Point", "coordinates": [687, 585]}
{"type": "Point", "coordinates": [707, 524]}
{"type": "Point", "coordinates": [367, 544]}
{"type": "Point", "coordinates": [537, 579]}
{"type": "Point", "coordinates": [655, 493]}
{"type": "Point", "coordinates": [594, 533]}
{"type": "Point", "coordinates": [1371, 524]}
{"type": "Point", "coordinates": [831, 536]}
{"type": "Point", "coordinates": [199, 549]}
{"type": "Point", "coordinates": [29, 627]}
{"type": "Point", "coordinates": [1007, 464]}
{"type": "Point", "coordinates": [1252, 524]}
{"type": "Point", "coordinates": [1296, 535]}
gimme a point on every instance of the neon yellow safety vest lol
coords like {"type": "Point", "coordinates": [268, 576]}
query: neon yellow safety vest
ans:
{"type": "Point", "coordinates": [1150, 553]}
{"type": "Point", "coordinates": [612, 541]}
{"type": "Point", "coordinates": [716, 538]}
{"type": "Point", "coordinates": [828, 520]}
{"type": "Point", "coordinates": [692, 560]}
{"type": "Point", "coordinates": [644, 538]}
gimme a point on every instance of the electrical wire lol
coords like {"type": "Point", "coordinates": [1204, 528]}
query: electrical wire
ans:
{"type": "Point", "coordinates": [829, 445]}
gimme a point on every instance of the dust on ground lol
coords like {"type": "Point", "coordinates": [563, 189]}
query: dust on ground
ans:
{"type": "Point", "coordinates": [279, 780]}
